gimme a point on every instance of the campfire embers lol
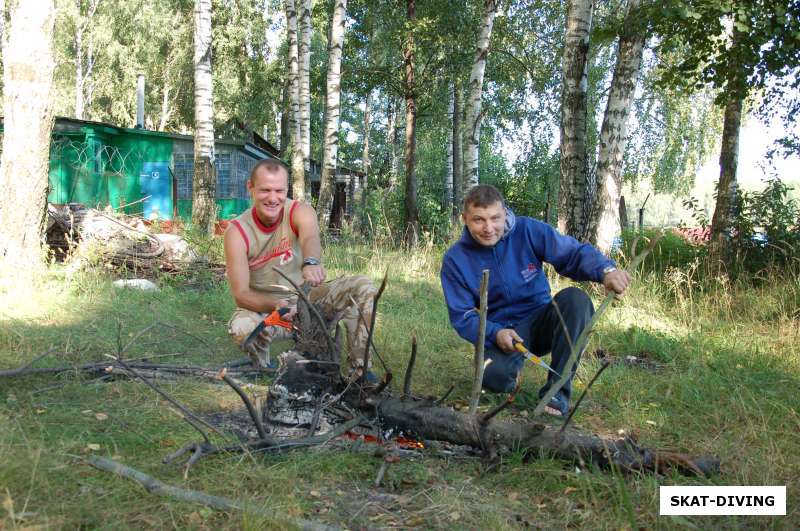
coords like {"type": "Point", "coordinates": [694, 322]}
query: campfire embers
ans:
{"type": "Point", "coordinates": [296, 398]}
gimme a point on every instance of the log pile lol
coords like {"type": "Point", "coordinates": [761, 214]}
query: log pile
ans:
{"type": "Point", "coordinates": [87, 236]}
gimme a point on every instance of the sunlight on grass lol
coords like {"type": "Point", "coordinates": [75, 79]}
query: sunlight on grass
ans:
{"type": "Point", "coordinates": [728, 370]}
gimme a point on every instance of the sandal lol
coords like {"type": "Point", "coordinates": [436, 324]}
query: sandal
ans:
{"type": "Point", "coordinates": [558, 406]}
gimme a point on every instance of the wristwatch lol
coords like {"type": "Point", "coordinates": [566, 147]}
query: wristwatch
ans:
{"type": "Point", "coordinates": [608, 269]}
{"type": "Point", "coordinates": [310, 261]}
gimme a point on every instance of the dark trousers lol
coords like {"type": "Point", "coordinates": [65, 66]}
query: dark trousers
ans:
{"type": "Point", "coordinates": [543, 332]}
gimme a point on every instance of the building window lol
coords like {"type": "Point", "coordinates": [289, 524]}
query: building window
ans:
{"type": "Point", "coordinates": [225, 185]}
{"type": "Point", "coordinates": [233, 170]}
{"type": "Point", "coordinates": [184, 174]}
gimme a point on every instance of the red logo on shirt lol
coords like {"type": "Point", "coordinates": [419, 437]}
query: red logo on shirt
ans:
{"type": "Point", "coordinates": [529, 272]}
{"type": "Point", "coordinates": [282, 250]}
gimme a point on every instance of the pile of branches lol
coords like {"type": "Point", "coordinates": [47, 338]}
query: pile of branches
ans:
{"type": "Point", "coordinates": [89, 236]}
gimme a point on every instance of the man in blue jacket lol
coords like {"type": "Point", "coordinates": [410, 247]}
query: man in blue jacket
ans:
{"type": "Point", "coordinates": [521, 308]}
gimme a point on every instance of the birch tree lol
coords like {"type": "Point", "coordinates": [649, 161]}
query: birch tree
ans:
{"type": "Point", "coordinates": [605, 223]}
{"type": "Point", "coordinates": [28, 65]}
{"type": "Point", "coordinates": [473, 107]}
{"type": "Point", "coordinates": [366, 162]}
{"type": "Point", "coordinates": [84, 54]}
{"type": "Point", "coordinates": [458, 167]}
{"type": "Point", "coordinates": [304, 54]}
{"type": "Point", "coordinates": [204, 209]}
{"type": "Point", "coordinates": [447, 200]}
{"type": "Point", "coordinates": [574, 171]}
{"type": "Point", "coordinates": [736, 47]}
{"type": "Point", "coordinates": [333, 97]}
{"type": "Point", "coordinates": [410, 220]}
{"type": "Point", "coordinates": [298, 167]}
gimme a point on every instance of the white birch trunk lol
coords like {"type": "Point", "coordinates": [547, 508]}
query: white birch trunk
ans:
{"type": "Point", "coordinates": [473, 110]}
{"type": "Point", "coordinates": [391, 141]}
{"type": "Point", "coordinates": [298, 169]}
{"type": "Point", "coordinates": [447, 202]}
{"type": "Point", "coordinates": [304, 51]}
{"type": "Point", "coordinates": [458, 158]}
{"type": "Point", "coordinates": [728, 159]}
{"type": "Point", "coordinates": [205, 178]}
{"type": "Point", "coordinates": [166, 108]}
{"type": "Point", "coordinates": [571, 211]}
{"type": "Point", "coordinates": [366, 162]}
{"type": "Point", "coordinates": [28, 64]}
{"type": "Point", "coordinates": [79, 65]}
{"type": "Point", "coordinates": [605, 222]}
{"type": "Point", "coordinates": [332, 99]}
{"type": "Point", "coordinates": [83, 70]}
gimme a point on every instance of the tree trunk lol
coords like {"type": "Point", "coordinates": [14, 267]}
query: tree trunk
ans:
{"type": "Point", "coordinates": [28, 63]}
{"type": "Point", "coordinates": [391, 141]}
{"type": "Point", "coordinates": [204, 208]}
{"type": "Point", "coordinates": [410, 154]}
{"type": "Point", "coordinates": [304, 51]}
{"type": "Point", "coordinates": [166, 110]}
{"type": "Point", "coordinates": [473, 110]}
{"type": "Point", "coordinates": [728, 162]}
{"type": "Point", "coordinates": [447, 200]}
{"type": "Point", "coordinates": [332, 99]}
{"type": "Point", "coordinates": [574, 174]}
{"type": "Point", "coordinates": [365, 156]}
{"type": "Point", "coordinates": [605, 222]}
{"type": "Point", "coordinates": [458, 159]}
{"type": "Point", "coordinates": [79, 64]}
{"type": "Point", "coordinates": [285, 113]}
{"type": "Point", "coordinates": [298, 168]}
{"type": "Point", "coordinates": [83, 71]}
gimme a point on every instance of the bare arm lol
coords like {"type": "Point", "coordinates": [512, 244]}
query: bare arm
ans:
{"type": "Point", "coordinates": [239, 276]}
{"type": "Point", "coordinates": [305, 219]}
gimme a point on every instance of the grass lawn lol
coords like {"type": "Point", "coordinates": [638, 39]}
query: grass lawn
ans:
{"type": "Point", "coordinates": [728, 385]}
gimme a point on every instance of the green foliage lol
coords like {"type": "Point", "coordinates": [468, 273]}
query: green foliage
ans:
{"type": "Point", "coordinates": [765, 232]}
{"type": "Point", "coordinates": [764, 238]}
{"type": "Point", "coordinates": [733, 46]}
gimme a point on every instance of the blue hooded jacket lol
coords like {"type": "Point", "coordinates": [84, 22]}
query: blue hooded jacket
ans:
{"type": "Point", "coordinates": [517, 285]}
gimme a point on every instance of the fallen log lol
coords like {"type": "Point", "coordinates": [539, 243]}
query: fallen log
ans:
{"type": "Point", "coordinates": [429, 421]}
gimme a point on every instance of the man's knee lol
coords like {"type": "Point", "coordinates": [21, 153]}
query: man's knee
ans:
{"type": "Point", "coordinates": [242, 323]}
{"type": "Point", "coordinates": [574, 300]}
{"type": "Point", "coordinates": [357, 288]}
{"type": "Point", "coordinates": [500, 374]}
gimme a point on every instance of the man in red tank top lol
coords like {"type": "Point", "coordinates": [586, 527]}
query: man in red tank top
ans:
{"type": "Point", "coordinates": [282, 233]}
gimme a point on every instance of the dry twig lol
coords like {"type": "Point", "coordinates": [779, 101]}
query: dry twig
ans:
{"type": "Point", "coordinates": [479, 344]}
{"type": "Point", "coordinates": [372, 322]}
{"type": "Point", "coordinates": [410, 368]}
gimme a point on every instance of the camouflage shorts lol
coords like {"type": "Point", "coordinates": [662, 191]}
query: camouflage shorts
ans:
{"type": "Point", "coordinates": [334, 297]}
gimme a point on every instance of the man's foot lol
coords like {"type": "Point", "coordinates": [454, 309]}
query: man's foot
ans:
{"type": "Point", "coordinates": [370, 377]}
{"type": "Point", "coordinates": [552, 411]}
{"type": "Point", "coordinates": [261, 358]}
{"type": "Point", "coordinates": [557, 407]}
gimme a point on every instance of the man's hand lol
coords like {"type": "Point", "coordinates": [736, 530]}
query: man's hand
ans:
{"type": "Point", "coordinates": [314, 274]}
{"type": "Point", "coordinates": [505, 339]}
{"type": "Point", "coordinates": [617, 281]}
{"type": "Point", "coordinates": [283, 303]}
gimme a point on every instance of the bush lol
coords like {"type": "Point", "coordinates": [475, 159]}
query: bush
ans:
{"type": "Point", "coordinates": [672, 250]}
{"type": "Point", "coordinates": [765, 233]}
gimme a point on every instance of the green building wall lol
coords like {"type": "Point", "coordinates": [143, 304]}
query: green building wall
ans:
{"type": "Point", "coordinates": [98, 167]}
